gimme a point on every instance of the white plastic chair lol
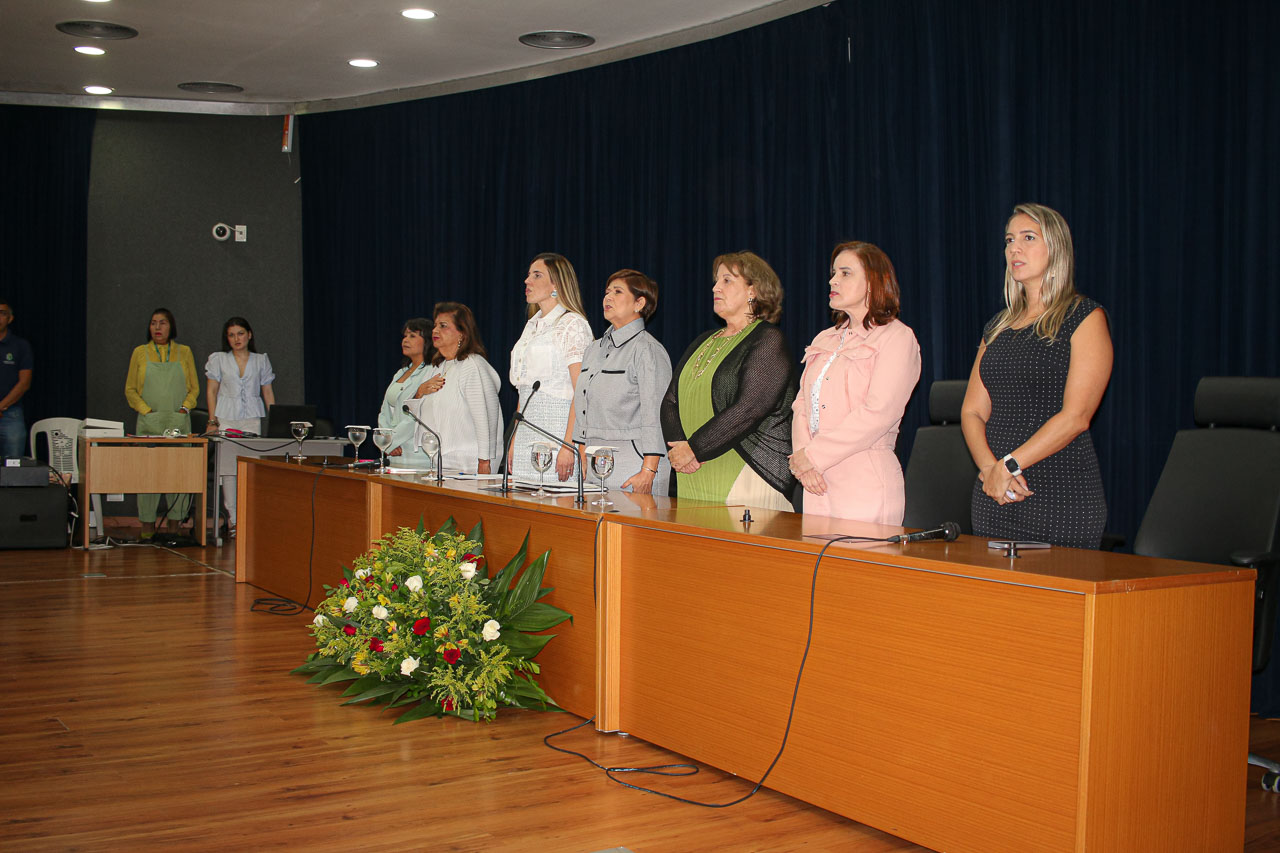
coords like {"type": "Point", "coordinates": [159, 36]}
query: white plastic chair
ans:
{"type": "Point", "coordinates": [63, 437]}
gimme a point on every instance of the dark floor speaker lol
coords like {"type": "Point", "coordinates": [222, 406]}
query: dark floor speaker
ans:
{"type": "Point", "coordinates": [33, 517]}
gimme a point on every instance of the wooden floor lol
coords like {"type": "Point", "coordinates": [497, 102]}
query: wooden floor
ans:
{"type": "Point", "coordinates": [148, 708]}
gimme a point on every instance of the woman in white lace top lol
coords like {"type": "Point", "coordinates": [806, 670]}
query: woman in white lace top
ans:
{"type": "Point", "coordinates": [550, 352]}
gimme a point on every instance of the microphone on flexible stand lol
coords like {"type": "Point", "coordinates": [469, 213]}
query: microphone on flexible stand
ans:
{"type": "Point", "coordinates": [511, 434]}
{"type": "Point", "coordinates": [581, 499]}
{"type": "Point", "coordinates": [439, 443]}
{"type": "Point", "coordinates": [949, 531]}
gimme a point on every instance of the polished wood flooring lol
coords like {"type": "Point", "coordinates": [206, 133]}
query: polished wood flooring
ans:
{"type": "Point", "coordinates": [147, 707]}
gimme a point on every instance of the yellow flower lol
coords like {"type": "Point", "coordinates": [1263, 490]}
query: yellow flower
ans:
{"type": "Point", "coordinates": [462, 644]}
{"type": "Point", "coordinates": [383, 600]}
{"type": "Point", "coordinates": [391, 626]}
{"type": "Point", "coordinates": [451, 553]}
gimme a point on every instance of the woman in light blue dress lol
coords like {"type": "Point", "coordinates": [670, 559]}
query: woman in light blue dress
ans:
{"type": "Point", "coordinates": [411, 381]}
{"type": "Point", "coordinates": [239, 389]}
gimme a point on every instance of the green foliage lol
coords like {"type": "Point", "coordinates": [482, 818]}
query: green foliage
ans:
{"type": "Point", "coordinates": [418, 623]}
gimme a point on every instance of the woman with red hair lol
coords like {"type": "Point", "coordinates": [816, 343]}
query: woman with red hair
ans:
{"type": "Point", "coordinates": [858, 377]}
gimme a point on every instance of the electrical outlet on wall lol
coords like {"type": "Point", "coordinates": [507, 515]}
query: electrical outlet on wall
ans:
{"type": "Point", "coordinates": [242, 234]}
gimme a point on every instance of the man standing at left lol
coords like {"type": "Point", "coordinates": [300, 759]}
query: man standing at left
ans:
{"type": "Point", "coordinates": [15, 379]}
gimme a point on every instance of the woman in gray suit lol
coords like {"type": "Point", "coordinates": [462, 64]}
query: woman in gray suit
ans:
{"type": "Point", "coordinates": [617, 399]}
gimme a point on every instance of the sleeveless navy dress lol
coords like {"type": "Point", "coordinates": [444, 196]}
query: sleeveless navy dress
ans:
{"type": "Point", "coordinates": [1025, 377]}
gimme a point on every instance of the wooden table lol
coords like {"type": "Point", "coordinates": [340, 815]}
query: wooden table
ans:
{"type": "Point", "coordinates": [1065, 700]}
{"type": "Point", "coordinates": [143, 465]}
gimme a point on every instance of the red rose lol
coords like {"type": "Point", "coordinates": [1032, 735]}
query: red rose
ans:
{"type": "Point", "coordinates": [466, 558]}
{"type": "Point", "coordinates": [451, 656]}
{"type": "Point", "coordinates": [344, 582]}
{"type": "Point", "coordinates": [448, 703]}
{"type": "Point", "coordinates": [395, 586]}
{"type": "Point", "coordinates": [349, 630]}
{"type": "Point", "coordinates": [422, 626]}
{"type": "Point", "coordinates": [375, 645]}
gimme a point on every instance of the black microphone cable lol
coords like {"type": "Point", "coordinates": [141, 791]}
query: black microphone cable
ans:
{"type": "Point", "coordinates": [688, 769]}
{"type": "Point", "coordinates": [279, 605]}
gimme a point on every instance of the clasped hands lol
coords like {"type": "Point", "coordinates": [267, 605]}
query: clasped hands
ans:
{"type": "Point", "coordinates": [999, 484]}
{"type": "Point", "coordinates": [682, 457]}
{"type": "Point", "coordinates": [810, 477]}
{"type": "Point", "coordinates": [431, 386]}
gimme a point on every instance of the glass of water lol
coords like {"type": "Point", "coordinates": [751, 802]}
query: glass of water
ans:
{"type": "Point", "coordinates": [541, 454]}
{"type": "Point", "coordinates": [382, 441]}
{"type": "Point", "coordinates": [300, 430]}
{"type": "Point", "coordinates": [602, 464]}
{"type": "Point", "coordinates": [431, 446]}
{"type": "Point", "coordinates": [357, 434]}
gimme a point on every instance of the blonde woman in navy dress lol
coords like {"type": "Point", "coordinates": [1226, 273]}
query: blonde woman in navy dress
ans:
{"type": "Point", "coordinates": [239, 389]}
{"type": "Point", "coordinates": [1042, 367]}
{"type": "Point", "coordinates": [550, 352]}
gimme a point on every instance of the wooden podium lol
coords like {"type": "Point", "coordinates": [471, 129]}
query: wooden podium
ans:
{"type": "Point", "coordinates": [143, 465]}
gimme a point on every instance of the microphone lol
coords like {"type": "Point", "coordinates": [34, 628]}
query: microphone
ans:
{"type": "Point", "coordinates": [510, 434]}
{"type": "Point", "coordinates": [439, 444]}
{"type": "Point", "coordinates": [949, 531]}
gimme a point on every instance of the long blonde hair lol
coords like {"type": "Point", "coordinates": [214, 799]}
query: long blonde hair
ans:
{"type": "Point", "coordinates": [565, 281]}
{"type": "Point", "coordinates": [1057, 290]}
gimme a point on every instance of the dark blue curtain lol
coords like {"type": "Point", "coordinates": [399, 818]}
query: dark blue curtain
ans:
{"type": "Point", "coordinates": [917, 125]}
{"type": "Point", "coordinates": [43, 236]}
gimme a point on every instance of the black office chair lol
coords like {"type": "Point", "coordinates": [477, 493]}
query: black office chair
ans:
{"type": "Point", "coordinates": [199, 421]}
{"type": "Point", "coordinates": [940, 473]}
{"type": "Point", "coordinates": [1218, 499]}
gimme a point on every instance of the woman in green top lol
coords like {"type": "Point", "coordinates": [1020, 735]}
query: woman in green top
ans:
{"type": "Point", "coordinates": [162, 387]}
{"type": "Point", "coordinates": [727, 415]}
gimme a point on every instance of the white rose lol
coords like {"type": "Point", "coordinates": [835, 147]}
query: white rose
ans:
{"type": "Point", "coordinates": [350, 604]}
{"type": "Point", "coordinates": [468, 570]}
{"type": "Point", "coordinates": [408, 665]}
{"type": "Point", "coordinates": [319, 620]}
{"type": "Point", "coordinates": [379, 612]}
{"type": "Point", "coordinates": [490, 631]}
{"type": "Point", "coordinates": [361, 574]}
{"type": "Point", "coordinates": [414, 584]}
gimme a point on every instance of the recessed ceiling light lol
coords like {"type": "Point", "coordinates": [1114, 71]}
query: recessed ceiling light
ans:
{"type": "Point", "coordinates": [363, 63]}
{"type": "Point", "coordinates": [98, 1]}
{"type": "Point", "coordinates": [419, 14]}
{"type": "Point", "coordinates": [90, 51]}
{"type": "Point", "coordinates": [557, 40]}
{"type": "Point", "coordinates": [98, 90]}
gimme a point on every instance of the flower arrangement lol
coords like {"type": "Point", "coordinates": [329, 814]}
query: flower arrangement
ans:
{"type": "Point", "coordinates": [418, 622]}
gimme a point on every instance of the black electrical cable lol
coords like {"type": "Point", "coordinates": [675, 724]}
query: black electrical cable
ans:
{"type": "Point", "coordinates": [278, 605]}
{"type": "Point", "coordinates": [691, 769]}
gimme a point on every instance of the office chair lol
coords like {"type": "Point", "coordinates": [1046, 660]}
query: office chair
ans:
{"type": "Point", "coordinates": [940, 473]}
{"type": "Point", "coordinates": [63, 438]}
{"type": "Point", "coordinates": [1218, 499]}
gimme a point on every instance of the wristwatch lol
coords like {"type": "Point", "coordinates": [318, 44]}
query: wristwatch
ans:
{"type": "Point", "coordinates": [1012, 465]}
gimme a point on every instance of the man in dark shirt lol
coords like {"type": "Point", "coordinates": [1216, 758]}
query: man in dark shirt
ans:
{"type": "Point", "coordinates": [15, 379]}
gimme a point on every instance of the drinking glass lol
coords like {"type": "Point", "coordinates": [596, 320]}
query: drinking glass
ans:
{"type": "Point", "coordinates": [602, 464]}
{"type": "Point", "coordinates": [357, 435]}
{"type": "Point", "coordinates": [541, 454]}
{"type": "Point", "coordinates": [300, 430]}
{"type": "Point", "coordinates": [382, 440]}
{"type": "Point", "coordinates": [431, 446]}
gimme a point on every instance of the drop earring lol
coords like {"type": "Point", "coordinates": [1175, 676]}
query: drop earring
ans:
{"type": "Point", "coordinates": [554, 294]}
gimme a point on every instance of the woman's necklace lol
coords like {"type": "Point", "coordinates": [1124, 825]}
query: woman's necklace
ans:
{"type": "Point", "coordinates": [709, 353]}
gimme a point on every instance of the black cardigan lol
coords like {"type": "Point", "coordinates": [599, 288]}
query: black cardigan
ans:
{"type": "Point", "coordinates": [751, 393]}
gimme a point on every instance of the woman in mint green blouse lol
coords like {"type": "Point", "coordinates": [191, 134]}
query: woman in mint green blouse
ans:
{"type": "Point", "coordinates": [726, 416]}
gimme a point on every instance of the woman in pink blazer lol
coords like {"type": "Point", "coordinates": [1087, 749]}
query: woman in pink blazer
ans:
{"type": "Point", "coordinates": [858, 376]}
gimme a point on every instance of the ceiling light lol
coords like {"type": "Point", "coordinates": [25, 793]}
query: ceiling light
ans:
{"type": "Point", "coordinates": [98, 1]}
{"type": "Point", "coordinates": [363, 63]}
{"type": "Point", "coordinates": [419, 14]}
{"type": "Point", "coordinates": [90, 51]}
{"type": "Point", "coordinates": [98, 90]}
{"type": "Point", "coordinates": [557, 40]}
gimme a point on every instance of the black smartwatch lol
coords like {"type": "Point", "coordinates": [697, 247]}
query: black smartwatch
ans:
{"type": "Point", "coordinates": [1012, 465]}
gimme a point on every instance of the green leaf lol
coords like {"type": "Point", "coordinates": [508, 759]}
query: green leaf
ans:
{"type": "Point", "coordinates": [477, 535]}
{"type": "Point", "coordinates": [525, 645]}
{"type": "Point", "coordinates": [538, 616]}
{"type": "Point", "coordinates": [500, 590]}
{"type": "Point", "coordinates": [344, 674]}
{"type": "Point", "coordinates": [450, 526]}
{"type": "Point", "coordinates": [322, 674]}
{"type": "Point", "coordinates": [422, 523]}
{"type": "Point", "coordinates": [426, 708]}
{"type": "Point", "coordinates": [526, 589]}
{"type": "Point", "coordinates": [384, 688]}
{"type": "Point", "coordinates": [362, 684]}
{"type": "Point", "coordinates": [315, 663]}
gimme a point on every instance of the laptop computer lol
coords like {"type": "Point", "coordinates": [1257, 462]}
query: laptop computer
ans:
{"type": "Point", "coordinates": [280, 416]}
